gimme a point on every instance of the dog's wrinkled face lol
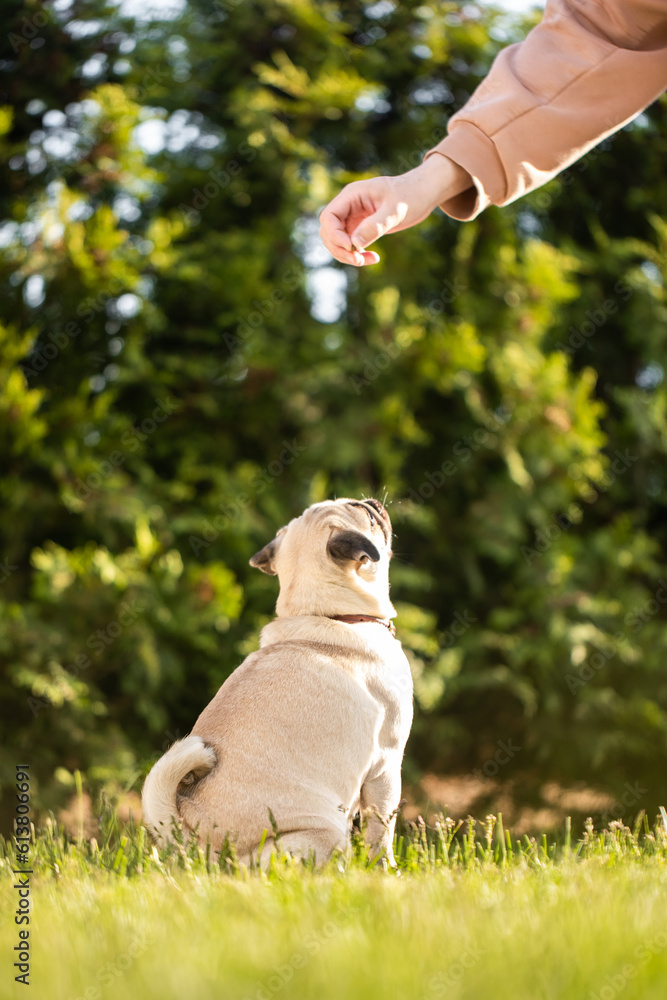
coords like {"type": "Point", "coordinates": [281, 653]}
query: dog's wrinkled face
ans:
{"type": "Point", "coordinates": [334, 559]}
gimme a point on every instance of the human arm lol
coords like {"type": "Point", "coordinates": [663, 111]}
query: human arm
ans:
{"type": "Point", "coordinates": [586, 70]}
{"type": "Point", "coordinates": [589, 67]}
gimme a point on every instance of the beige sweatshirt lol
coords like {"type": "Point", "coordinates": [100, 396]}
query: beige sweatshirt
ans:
{"type": "Point", "coordinates": [585, 71]}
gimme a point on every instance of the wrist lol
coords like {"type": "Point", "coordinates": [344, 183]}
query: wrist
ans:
{"type": "Point", "coordinates": [441, 177]}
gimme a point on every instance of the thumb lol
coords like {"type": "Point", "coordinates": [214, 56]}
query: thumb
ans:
{"type": "Point", "coordinates": [376, 225]}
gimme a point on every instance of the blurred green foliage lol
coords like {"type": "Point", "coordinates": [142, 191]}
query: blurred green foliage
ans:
{"type": "Point", "coordinates": [183, 369]}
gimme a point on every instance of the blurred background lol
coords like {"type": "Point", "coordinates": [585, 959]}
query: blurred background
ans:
{"type": "Point", "coordinates": [183, 368]}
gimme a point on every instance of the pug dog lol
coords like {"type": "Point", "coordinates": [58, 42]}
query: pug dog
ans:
{"type": "Point", "coordinates": [310, 729]}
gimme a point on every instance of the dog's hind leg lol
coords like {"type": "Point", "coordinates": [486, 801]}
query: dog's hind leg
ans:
{"type": "Point", "coordinates": [303, 843]}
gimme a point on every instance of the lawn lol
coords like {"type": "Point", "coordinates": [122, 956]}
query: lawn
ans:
{"type": "Point", "coordinates": [472, 913]}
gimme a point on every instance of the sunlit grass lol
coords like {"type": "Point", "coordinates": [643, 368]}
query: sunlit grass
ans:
{"type": "Point", "coordinates": [472, 912]}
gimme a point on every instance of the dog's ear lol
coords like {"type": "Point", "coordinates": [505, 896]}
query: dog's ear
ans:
{"type": "Point", "coordinates": [352, 545]}
{"type": "Point", "coordinates": [265, 558]}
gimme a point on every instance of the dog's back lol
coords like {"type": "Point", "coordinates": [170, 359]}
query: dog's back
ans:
{"type": "Point", "coordinates": [292, 734]}
{"type": "Point", "coordinates": [293, 731]}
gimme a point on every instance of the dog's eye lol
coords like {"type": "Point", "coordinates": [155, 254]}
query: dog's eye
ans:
{"type": "Point", "coordinates": [372, 518]}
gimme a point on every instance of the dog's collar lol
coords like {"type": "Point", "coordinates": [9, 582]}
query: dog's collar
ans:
{"type": "Point", "coordinates": [353, 619]}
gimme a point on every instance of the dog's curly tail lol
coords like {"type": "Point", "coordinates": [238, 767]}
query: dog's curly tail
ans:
{"type": "Point", "coordinates": [186, 761]}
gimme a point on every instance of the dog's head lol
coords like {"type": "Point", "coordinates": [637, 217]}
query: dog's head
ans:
{"type": "Point", "coordinates": [332, 560]}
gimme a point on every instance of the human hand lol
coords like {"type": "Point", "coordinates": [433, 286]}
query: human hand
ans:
{"type": "Point", "coordinates": [365, 210]}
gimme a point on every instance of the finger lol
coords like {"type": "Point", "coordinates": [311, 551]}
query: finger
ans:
{"type": "Point", "coordinates": [338, 242]}
{"type": "Point", "coordinates": [340, 246]}
{"type": "Point", "coordinates": [333, 224]}
{"type": "Point", "coordinates": [376, 225]}
{"type": "Point", "coordinates": [353, 257]}
{"type": "Point", "coordinates": [356, 257]}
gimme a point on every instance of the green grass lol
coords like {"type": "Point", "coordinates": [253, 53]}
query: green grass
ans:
{"type": "Point", "coordinates": [470, 914]}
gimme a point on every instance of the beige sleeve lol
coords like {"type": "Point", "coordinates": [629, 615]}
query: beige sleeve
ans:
{"type": "Point", "coordinates": [586, 70]}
